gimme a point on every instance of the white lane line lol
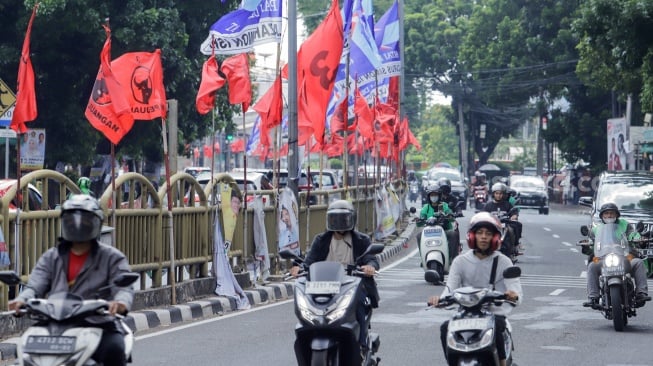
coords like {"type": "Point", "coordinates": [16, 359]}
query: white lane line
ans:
{"type": "Point", "coordinates": [557, 292]}
{"type": "Point", "coordinates": [566, 243]}
{"type": "Point", "coordinates": [546, 229]}
{"type": "Point", "coordinates": [583, 274]}
{"type": "Point", "coordinates": [574, 250]}
{"type": "Point", "coordinates": [556, 236]}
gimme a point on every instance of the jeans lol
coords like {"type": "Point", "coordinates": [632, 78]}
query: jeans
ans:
{"type": "Point", "coordinates": [500, 327]}
{"type": "Point", "coordinates": [637, 270]}
{"type": "Point", "coordinates": [111, 350]}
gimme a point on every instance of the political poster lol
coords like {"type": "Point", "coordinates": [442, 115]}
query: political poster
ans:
{"type": "Point", "coordinates": [288, 221]}
{"type": "Point", "coordinates": [231, 201]}
{"type": "Point", "coordinates": [32, 149]}
{"type": "Point", "coordinates": [617, 157]}
{"type": "Point", "coordinates": [261, 255]}
{"type": "Point", "coordinates": [225, 282]}
{"type": "Point", "coordinates": [385, 223]}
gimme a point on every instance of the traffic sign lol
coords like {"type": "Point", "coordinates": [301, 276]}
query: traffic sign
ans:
{"type": "Point", "coordinates": [7, 98]}
{"type": "Point", "coordinates": [7, 133]}
{"type": "Point", "coordinates": [5, 119]}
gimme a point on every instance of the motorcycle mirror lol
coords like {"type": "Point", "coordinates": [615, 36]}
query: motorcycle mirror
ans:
{"type": "Point", "coordinates": [10, 278]}
{"type": "Point", "coordinates": [431, 276]}
{"type": "Point", "coordinates": [288, 254]}
{"type": "Point", "coordinates": [512, 272]}
{"type": "Point", "coordinates": [126, 279]}
{"type": "Point", "coordinates": [639, 226]}
{"type": "Point", "coordinates": [584, 230]}
{"type": "Point", "coordinates": [413, 210]}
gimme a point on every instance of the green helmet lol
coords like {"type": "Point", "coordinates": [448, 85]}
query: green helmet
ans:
{"type": "Point", "coordinates": [84, 185]}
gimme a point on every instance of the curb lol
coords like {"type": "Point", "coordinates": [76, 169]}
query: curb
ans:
{"type": "Point", "coordinates": [217, 305]}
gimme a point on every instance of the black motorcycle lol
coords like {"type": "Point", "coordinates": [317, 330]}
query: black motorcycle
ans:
{"type": "Point", "coordinates": [509, 244]}
{"type": "Point", "coordinates": [325, 305]}
{"type": "Point", "coordinates": [470, 335]}
{"type": "Point", "coordinates": [617, 288]}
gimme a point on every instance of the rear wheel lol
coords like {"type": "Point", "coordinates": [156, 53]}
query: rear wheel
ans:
{"type": "Point", "coordinates": [436, 266]}
{"type": "Point", "coordinates": [618, 313]}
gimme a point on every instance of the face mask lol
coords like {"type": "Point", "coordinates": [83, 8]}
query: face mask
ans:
{"type": "Point", "coordinates": [434, 199]}
{"type": "Point", "coordinates": [610, 220]}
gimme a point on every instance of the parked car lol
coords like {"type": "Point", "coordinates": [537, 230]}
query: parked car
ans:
{"type": "Point", "coordinates": [196, 170]}
{"type": "Point", "coordinates": [329, 181]}
{"type": "Point", "coordinates": [631, 191]}
{"type": "Point", "coordinates": [531, 192]}
{"type": "Point", "coordinates": [35, 199]}
{"type": "Point", "coordinates": [458, 184]}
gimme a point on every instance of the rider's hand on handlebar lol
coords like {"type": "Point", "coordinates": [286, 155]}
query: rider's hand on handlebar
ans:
{"type": "Point", "coordinates": [294, 271]}
{"type": "Point", "coordinates": [117, 307]}
{"type": "Point", "coordinates": [434, 301]}
{"type": "Point", "coordinates": [511, 295]}
{"type": "Point", "coordinates": [368, 270]}
{"type": "Point", "coordinates": [16, 305]}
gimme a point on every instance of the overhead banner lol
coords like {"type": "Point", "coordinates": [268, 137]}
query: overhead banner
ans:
{"type": "Point", "coordinates": [240, 30]}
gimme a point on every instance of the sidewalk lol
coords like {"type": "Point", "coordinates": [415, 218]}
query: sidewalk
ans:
{"type": "Point", "coordinates": [217, 305]}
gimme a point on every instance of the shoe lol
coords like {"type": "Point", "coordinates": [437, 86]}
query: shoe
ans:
{"type": "Point", "coordinates": [593, 302]}
{"type": "Point", "coordinates": [641, 299]}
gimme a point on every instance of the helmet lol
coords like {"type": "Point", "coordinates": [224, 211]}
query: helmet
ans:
{"type": "Point", "coordinates": [504, 180]}
{"type": "Point", "coordinates": [445, 185]}
{"type": "Point", "coordinates": [341, 216]}
{"type": "Point", "coordinates": [499, 187]}
{"type": "Point", "coordinates": [433, 188]}
{"type": "Point", "coordinates": [84, 185]}
{"type": "Point", "coordinates": [484, 219]}
{"type": "Point", "coordinates": [81, 218]}
{"type": "Point", "coordinates": [608, 207]}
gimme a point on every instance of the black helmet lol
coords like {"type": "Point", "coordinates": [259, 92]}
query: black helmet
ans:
{"type": "Point", "coordinates": [81, 218]}
{"type": "Point", "coordinates": [608, 207]}
{"type": "Point", "coordinates": [445, 185]}
{"type": "Point", "coordinates": [341, 216]}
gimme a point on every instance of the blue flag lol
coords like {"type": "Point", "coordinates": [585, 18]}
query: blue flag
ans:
{"type": "Point", "coordinates": [254, 137]}
{"type": "Point", "coordinates": [240, 30]}
{"type": "Point", "coordinates": [387, 40]}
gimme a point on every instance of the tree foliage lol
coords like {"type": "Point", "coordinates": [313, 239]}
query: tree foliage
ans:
{"type": "Point", "coordinates": [65, 46]}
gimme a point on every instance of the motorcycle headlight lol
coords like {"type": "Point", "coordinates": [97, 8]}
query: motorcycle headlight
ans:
{"type": "Point", "coordinates": [487, 339]}
{"type": "Point", "coordinates": [612, 260]}
{"type": "Point", "coordinates": [433, 243]}
{"type": "Point", "coordinates": [341, 306]}
{"type": "Point", "coordinates": [469, 299]}
{"type": "Point", "coordinates": [305, 309]}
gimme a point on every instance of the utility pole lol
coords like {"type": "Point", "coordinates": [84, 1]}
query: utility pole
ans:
{"type": "Point", "coordinates": [293, 151]}
{"type": "Point", "coordinates": [461, 131]}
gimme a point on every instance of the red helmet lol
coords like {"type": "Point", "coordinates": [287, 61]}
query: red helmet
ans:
{"type": "Point", "coordinates": [484, 219]}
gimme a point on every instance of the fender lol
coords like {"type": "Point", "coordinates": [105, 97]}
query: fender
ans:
{"type": "Point", "coordinates": [321, 344]}
{"type": "Point", "coordinates": [435, 255]}
{"type": "Point", "coordinates": [612, 281]}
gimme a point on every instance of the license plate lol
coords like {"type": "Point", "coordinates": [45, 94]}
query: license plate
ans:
{"type": "Point", "coordinates": [322, 287]}
{"type": "Point", "coordinates": [50, 344]}
{"type": "Point", "coordinates": [436, 231]}
{"type": "Point", "coordinates": [646, 252]}
{"type": "Point", "coordinates": [613, 270]}
{"type": "Point", "coordinates": [468, 323]}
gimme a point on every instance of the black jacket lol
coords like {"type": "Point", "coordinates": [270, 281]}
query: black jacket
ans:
{"type": "Point", "coordinates": [320, 250]}
{"type": "Point", "coordinates": [492, 206]}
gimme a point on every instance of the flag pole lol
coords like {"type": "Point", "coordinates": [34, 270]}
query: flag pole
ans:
{"type": "Point", "coordinates": [172, 276]}
{"type": "Point", "coordinates": [113, 192]}
{"type": "Point", "coordinates": [245, 193]}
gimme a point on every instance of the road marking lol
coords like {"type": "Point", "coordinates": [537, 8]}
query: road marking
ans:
{"type": "Point", "coordinates": [574, 250]}
{"type": "Point", "coordinates": [556, 236]}
{"type": "Point", "coordinates": [557, 292]}
{"type": "Point", "coordinates": [559, 348]}
{"type": "Point", "coordinates": [546, 229]}
{"type": "Point", "coordinates": [566, 243]}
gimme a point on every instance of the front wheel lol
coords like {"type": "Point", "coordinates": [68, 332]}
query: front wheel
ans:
{"type": "Point", "coordinates": [324, 358]}
{"type": "Point", "coordinates": [618, 313]}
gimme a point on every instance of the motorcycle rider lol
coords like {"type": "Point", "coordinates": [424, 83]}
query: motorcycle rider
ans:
{"type": "Point", "coordinates": [511, 192]}
{"type": "Point", "coordinates": [609, 214]}
{"type": "Point", "coordinates": [445, 188]}
{"type": "Point", "coordinates": [342, 243]}
{"type": "Point", "coordinates": [434, 208]}
{"type": "Point", "coordinates": [500, 202]}
{"type": "Point", "coordinates": [81, 265]}
{"type": "Point", "coordinates": [474, 268]}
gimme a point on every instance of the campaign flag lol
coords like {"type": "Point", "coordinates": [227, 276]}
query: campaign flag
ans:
{"type": "Point", "coordinates": [141, 76]}
{"type": "Point", "coordinates": [211, 82]}
{"type": "Point", "coordinates": [413, 141]}
{"type": "Point", "coordinates": [386, 33]}
{"type": "Point", "coordinates": [25, 107]}
{"type": "Point", "coordinates": [254, 137]}
{"type": "Point", "coordinates": [317, 63]}
{"type": "Point", "coordinates": [270, 106]}
{"type": "Point", "coordinates": [240, 30]}
{"type": "Point", "coordinates": [364, 116]}
{"type": "Point", "coordinates": [236, 70]}
{"type": "Point", "coordinates": [108, 108]}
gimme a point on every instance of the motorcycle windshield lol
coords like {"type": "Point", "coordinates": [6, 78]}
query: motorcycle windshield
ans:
{"type": "Point", "coordinates": [326, 271]}
{"type": "Point", "coordinates": [609, 238]}
{"type": "Point", "coordinates": [63, 305]}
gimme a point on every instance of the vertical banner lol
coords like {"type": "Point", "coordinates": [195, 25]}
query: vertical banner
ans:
{"type": "Point", "coordinates": [261, 254]}
{"type": "Point", "coordinates": [617, 157]}
{"type": "Point", "coordinates": [5, 261]}
{"type": "Point", "coordinates": [32, 149]}
{"type": "Point", "coordinates": [231, 202]}
{"type": "Point", "coordinates": [385, 224]}
{"type": "Point", "coordinates": [225, 281]}
{"type": "Point", "coordinates": [288, 222]}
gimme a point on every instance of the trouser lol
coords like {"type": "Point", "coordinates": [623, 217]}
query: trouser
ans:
{"type": "Point", "coordinates": [499, 323]}
{"type": "Point", "coordinates": [637, 270]}
{"type": "Point", "coordinates": [111, 350]}
{"type": "Point", "coordinates": [360, 318]}
{"type": "Point", "coordinates": [516, 228]}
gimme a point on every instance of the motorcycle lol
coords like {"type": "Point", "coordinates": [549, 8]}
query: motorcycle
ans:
{"type": "Point", "coordinates": [509, 244]}
{"type": "Point", "coordinates": [434, 244]}
{"type": "Point", "coordinates": [470, 335]}
{"type": "Point", "coordinates": [325, 305]}
{"type": "Point", "coordinates": [480, 196]}
{"type": "Point", "coordinates": [617, 288]}
{"type": "Point", "coordinates": [62, 334]}
{"type": "Point", "coordinates": [414, 191]}
{"type": "Point", "coordinates": [644, 248]}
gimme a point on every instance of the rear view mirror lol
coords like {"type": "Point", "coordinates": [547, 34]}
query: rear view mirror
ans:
{"type": "Point", "coordinates": [512, 272]}
{"type": "Point", "coordinates": [10, 278]}
{"type": "Point", "coordinates": [584, 230]}
{"type": "Point", "coordinates": [126, 279]}
{"type": "Point", "coordinates": [413, 210]}
{"type": "Point", "coordinates": [639, 226]}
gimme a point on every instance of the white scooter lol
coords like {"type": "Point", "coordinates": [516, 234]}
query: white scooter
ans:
{"type": "Point", "coordinates": [59, 338]}
{"type": "Point", "coordinates": [434, 246]}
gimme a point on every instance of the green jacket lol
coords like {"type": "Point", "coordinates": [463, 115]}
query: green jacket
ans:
{"type": "Point", "coordinates": [429, 211]}
{"type": "Point", "coordinates": [622, 228]}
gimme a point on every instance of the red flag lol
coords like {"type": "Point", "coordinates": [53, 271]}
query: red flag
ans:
{"type": "Point", "coordinates": [236, 69]}
{"type": "Point", "coordinates": [335, 147]}
{"type": "Point", "coordinates": [211, 82]}
{"type": "Point", "coordinates": [364, 116]}
{"type": "Point", "coordinates": [402, 130]}
{"type": "Point", "coordinates": [413, 140]}
{"type": "Point", "coordinates": [270, 106]}
{"type": "Point", "coordinates": [393, 92]}
{"type": "Point", "coordinates": [141, 76]}
{"type": "Point", "coordinates": [317, 65]}
{"type": "Point", "coordinates": [238, 145]}
{"type": "Point", "coordinates": [339, 118]}
{"type": "Point", "coordinates": [108, 108]}
{"type": "Point", "coordinates": [25, 108]}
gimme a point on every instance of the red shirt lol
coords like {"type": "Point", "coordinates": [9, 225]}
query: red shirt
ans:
{"type": "Point", "coordinates": [75, 264]}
